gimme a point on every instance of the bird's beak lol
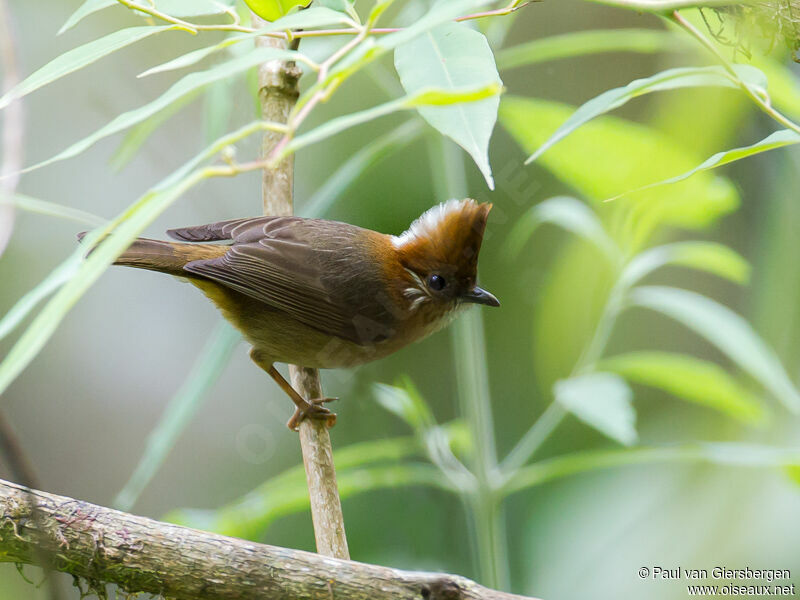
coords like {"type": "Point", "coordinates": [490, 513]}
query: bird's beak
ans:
{"type": "Point", "coordinates": [480, 296]}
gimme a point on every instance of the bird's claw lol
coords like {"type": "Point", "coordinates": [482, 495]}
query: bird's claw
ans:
{"type": "Point", "coordinates": [313, 409]}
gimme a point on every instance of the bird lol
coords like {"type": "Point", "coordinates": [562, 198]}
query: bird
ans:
{"type": "Point", "coordinates": [326, 294]}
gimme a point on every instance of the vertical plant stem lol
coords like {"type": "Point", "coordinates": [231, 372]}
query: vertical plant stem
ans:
{"type": "Point", "coordinates": [469, 349]}
{"type": "Point", "coordinates": [555, 413]}
{"type": "Point", "coordinates": [278, 93]}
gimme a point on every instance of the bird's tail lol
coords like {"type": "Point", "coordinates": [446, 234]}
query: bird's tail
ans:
{"type": "Point", "coordinates": [166, 257]}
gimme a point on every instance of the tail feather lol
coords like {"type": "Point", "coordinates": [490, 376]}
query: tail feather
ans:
{"type": "Point", "coordinates": [154, 255]}
{"type": "Point", "coordinates": [166, 257]}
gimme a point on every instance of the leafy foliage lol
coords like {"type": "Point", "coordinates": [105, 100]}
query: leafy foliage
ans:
{"type": "Point", "coordinates": [447, 69]}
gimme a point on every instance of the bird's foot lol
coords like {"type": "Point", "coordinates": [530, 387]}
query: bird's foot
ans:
{"type": "Point", "coordinates": [312, 409]}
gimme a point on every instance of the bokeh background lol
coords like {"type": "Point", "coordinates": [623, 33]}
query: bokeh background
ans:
{"type": "Point", "coordinates": [85, 406]}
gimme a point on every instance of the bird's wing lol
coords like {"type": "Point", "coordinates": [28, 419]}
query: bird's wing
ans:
{"type": "Point", "coordinates": [291, 264]}
{"type": "Point", "coordinates": [227, 230]}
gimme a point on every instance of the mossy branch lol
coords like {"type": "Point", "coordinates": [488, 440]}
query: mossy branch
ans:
{"type": "Point", "coordinates": [106, 546]}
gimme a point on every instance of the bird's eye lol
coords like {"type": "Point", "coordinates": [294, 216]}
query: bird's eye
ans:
{"type": "Point", "coordinates": [436, 283]}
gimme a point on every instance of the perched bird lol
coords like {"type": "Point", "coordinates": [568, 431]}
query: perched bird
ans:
{"type": "Point", "coordinates": [325, 294]}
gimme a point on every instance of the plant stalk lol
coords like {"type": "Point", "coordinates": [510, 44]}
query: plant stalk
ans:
{"type": "Point", "coordinates": [469, 350]}
{"type": "Point", "coordinates": [278, 92]}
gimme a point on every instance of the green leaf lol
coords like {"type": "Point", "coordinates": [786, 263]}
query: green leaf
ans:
{"type": "Point", "coordinates": [730, 454]}
{"type": "Point", "coordinates": [784, 85]}
{"type": "Point", "coordinates": [107, 244]}
{"type": "Point", "coordinates": [175, 8]}
{"type": "Point", "coordinates": [179, 412]}
{"type": "Point", "coordinates": [609, 155]}
{"type": "Point", "coordinates": [347, 173]}
{"type": "Point", "coordinates": [570, 214]}
{"type": "Point", "coordinates": [406, 403]}
{"type": "Point", "coordinates": [25, 305]}
{"type": "Point", "coordinates": [581, 43]}
{"type": "Point", "coordinates": [689, 378]}
{"type": "Point", "coordinates": [218, 107]}
{"type": "Point", "coordinates": [370, 50]}
{"type": "Point", "coordinates": [131, 223]}
{"type": "Point", "coordinates": [190, 8]}
{"type": "Point", "coordinates": [421, 98]}
{"type": "Point", "coordinates": [602, 401]}
{"type": "Point", "coordinates": [84, 10]}
{"type": "Point", "coordinates": [663, 7]}
{"type": "Point", "coordinates": [666, 80]}
{"type": "Point", "coordinates": [272, 10]}
{"type": "Point", "coordinates": [729, 332]}
{"type": "Point", "coordinates": [453, 56]}
{"type": "Point", "coordinates": [778, 139]}
{"type": "Point", "coordinates": [441, 12]}
{"type": "Point", "coordinates": [51, 209]}
{"type": "Point", "coordinates": [714, 258]}
{"type": "Point", "coordinates": [136, 137]}
{"type": "Point", "coordinates": [306, 19]}
{"type": "Point", "coordinates": [183, 87]}
{"type": "Point", "coordinates": [79, 57]}
{"type": "Point", "coordinates": [359, 470]}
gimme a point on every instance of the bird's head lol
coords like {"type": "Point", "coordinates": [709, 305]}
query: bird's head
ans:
{"type": "Point", "coordinates": [439, 256]}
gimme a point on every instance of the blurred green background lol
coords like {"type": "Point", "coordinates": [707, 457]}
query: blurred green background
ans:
{"type": "Point", "coordinates": [86, 405]}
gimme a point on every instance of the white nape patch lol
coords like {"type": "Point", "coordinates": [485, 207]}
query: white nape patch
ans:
{"type": "Point", "coordinates": [428, 222]}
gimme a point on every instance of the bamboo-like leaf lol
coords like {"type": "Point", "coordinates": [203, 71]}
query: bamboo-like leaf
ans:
{"type": "Point", "coordinates": [664, 7]}
{"type": "Point", "coordinates": [79, 57]}
{"type": "Point", "coordinates": [424, 97]}
{"type": "Point", "coordinates": [51, 209]}
{"type": "Point", "coordinates": [116, 237]}
{"type": "Point", "coordinates": [689, 378]}
{"type": "Point", "coordinates": [217, 109]}
{"type": "Point", "coordinates": [347, 173]}
{"type": "Point", "coordinates": [666, 80]}
{"type": "Point", "coordinates": [714, 258]}
{"type": "Point", "coordinates": [190, 8]}
{"type": "Point", "coordinates": [729, 332]}
{"type": "Point", "coordinates": [453, 56]}
{"type": "Point", "coordinates": [286, 493]}
{"type": "Point", "coordinates": [175, 8]}
{"type": "Point", "coordinates": [405, 403]}
{"type": "Point", "coordinates": [370, 50]}
{"type": "Point", "coordinates": [178, 413]}
{"type": "Point", "coordinates": [570, 214]}
{"type": "Point", "coordinates": [609, 155]}
{"type": "Point", "coordinates": [25, 305]}
{"type": "Point", "coordinates": [136, 136]}
{"type": "Point", "coordinates": [83, 11]}
{"type": "Point", "coordinates": [317, 16]}
{"type": "Point", "coordinates": [130, 224]}
{"type": "Point", "coordinates": [177, 91]}
{"type": "Point", "coordinates": [582, 43]}
{"type": "Point", "coordinates": [602, 401]}
{"type": "Point", "coordinates": [731, 454]}
{"type": "Point", "coordinates": [778, 139]}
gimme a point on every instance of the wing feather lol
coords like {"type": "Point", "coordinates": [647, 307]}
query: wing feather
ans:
{"type": "Point", "coordinates": [296, 265]}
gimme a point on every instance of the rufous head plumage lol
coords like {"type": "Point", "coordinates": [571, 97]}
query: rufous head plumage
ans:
{"type": "Point", "coordinates": [439, 252]}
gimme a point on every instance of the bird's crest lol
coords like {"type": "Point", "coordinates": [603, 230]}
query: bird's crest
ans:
{"type": "Point", "coordinates": [447, 234]}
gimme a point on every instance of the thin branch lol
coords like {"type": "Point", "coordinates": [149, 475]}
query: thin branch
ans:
{"type": "Point", "coordinates": [142, 555]}
{"type": "Point", "coordinates": [278, 92]}
{"type": "Point", "coordinates": [195, 28]}
{"type": "Point", "coordinates": [667, 6]}
{"type": "Point", "coordinates": [760, 99]}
